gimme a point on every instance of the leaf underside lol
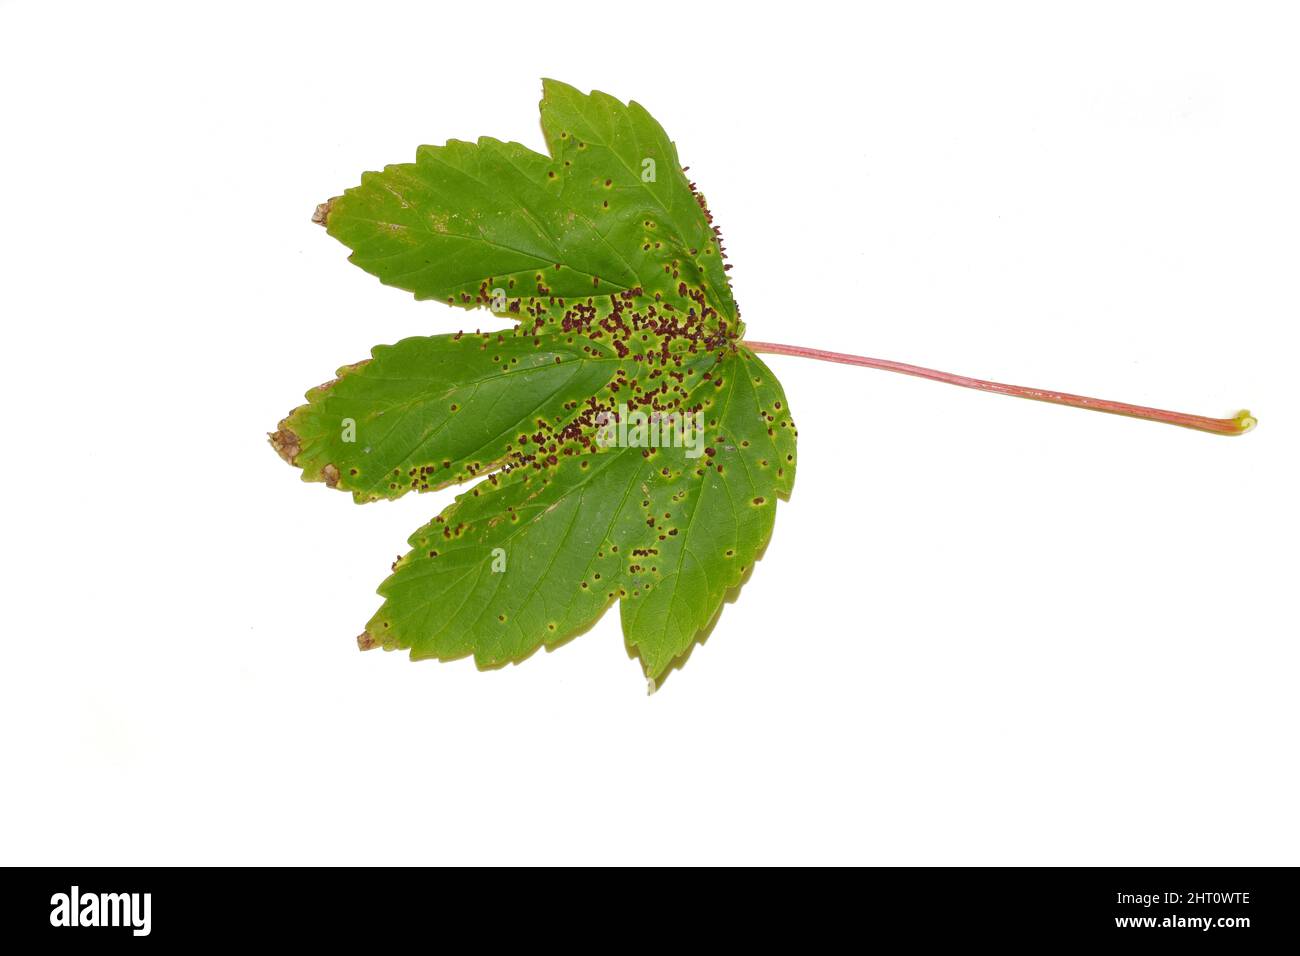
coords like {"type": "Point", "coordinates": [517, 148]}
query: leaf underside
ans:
{"type": "Point", "coordinates": [606, 258]}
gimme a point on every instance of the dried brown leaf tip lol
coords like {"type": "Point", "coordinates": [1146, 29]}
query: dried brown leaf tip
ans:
{"type": "Point", "coordinates": [366, 642]}
{"type": "Point", "coordinates": [322, 213]}
{"type": "Point", "coordinates": [287, 445]}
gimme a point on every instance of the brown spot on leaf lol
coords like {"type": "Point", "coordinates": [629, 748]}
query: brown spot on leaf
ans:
{"type": "Point", "coordinates": [331, 475]}
{"type": "Point", "coordinates": [366, 642]}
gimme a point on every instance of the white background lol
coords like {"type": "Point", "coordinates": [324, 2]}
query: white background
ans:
{"type": "Point", "coordinates": [986, 630]}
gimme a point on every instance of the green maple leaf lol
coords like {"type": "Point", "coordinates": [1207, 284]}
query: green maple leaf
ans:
{"type": "Point", "coordinates": [627, 446]}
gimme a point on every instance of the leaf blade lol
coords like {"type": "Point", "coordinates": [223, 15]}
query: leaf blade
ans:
{"type": "Point", "coordinates": [608, 258]}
